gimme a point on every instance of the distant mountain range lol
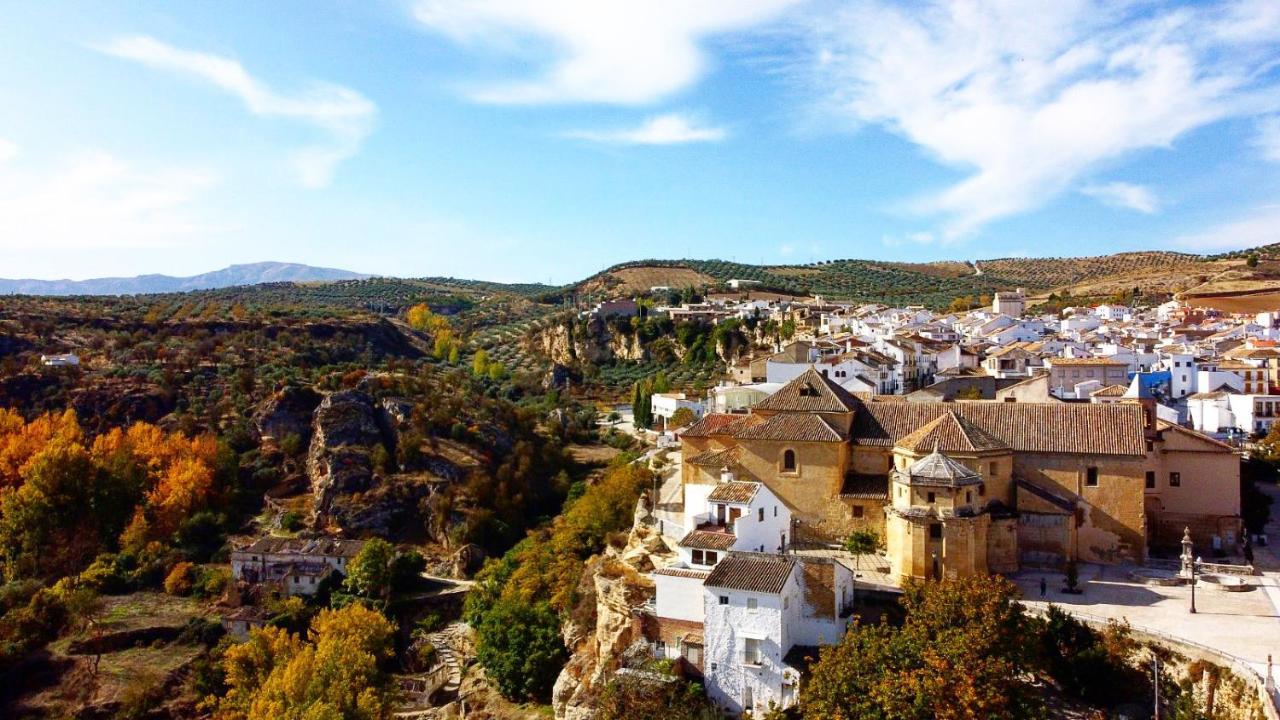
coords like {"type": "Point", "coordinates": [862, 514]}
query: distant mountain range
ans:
{"type": "Point", "coordinates": [249, 274]}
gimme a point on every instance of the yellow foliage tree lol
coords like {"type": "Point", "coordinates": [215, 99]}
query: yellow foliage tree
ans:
{"type": "Point", "coordinates": [335, 674]}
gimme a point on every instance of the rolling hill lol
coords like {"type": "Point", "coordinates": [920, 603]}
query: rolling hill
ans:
{"type": "Point", "coordinates": [235, 275]}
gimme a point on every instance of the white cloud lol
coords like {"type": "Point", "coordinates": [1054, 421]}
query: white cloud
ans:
{"type": "Point", "coordinates": [1269, 137]}
{"type": "Point", "coordinates": [668, 129]}
{"type": "Point", "coordinates": [7, 150]}
{"type": "Point", "coordinates": [1124, 195]}
{"type": "Point", "coordinates": [1027, 98]}
{"type": "Point", "coordinates": [343, 114]}
{"type": "Point", "coordinates": [96, 200]}
{"type": "Point", "coordinates": [1261, 227]}
{"type": "Point", "coordinates": [605, 51]}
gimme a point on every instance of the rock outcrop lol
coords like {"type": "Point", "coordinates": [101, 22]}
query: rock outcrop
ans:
{"type": "Point", "coordinates": [287, 412]}
{"type": "Point", "coordinates": [570, 343]}
{"type": "Point", "coordinates": [602, 627]}
{"type": "Point", "coordinates": [344, 430]}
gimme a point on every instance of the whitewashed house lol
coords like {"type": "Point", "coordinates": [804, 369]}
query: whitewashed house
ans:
{"type": "Point", "coordinates": [62, 360]}
{"type": "Point", "coordinates": [762, 614]}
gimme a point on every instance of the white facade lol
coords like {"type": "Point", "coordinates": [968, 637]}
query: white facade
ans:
{"type": "Point", "coordinates": [745, 648]}
{"type": "Point", "coordinates": [64, 360]}
{"type": "Point", "coordinates": [665, 405]}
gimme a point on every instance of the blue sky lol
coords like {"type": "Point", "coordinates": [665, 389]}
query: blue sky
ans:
{"type": "Point", "coordinates": [541, 141]}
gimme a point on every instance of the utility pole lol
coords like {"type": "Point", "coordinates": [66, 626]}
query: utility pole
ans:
{"type": "Point", "coordinates": [1155, 672]}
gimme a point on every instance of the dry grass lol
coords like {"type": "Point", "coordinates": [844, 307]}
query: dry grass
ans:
{"type": "Point", "coordinates": [640, 279]}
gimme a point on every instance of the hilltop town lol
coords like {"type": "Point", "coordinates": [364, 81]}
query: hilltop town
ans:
{"type": "Point", "coordinates": [791, 471]}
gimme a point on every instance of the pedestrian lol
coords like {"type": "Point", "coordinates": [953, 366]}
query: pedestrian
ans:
{"type": "Point", "coordinates": [1044, 587]}
{"type": "Point", "coordinates": [1248, 552]}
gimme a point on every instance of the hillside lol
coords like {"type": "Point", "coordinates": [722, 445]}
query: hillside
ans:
{"type": "Point", "coordinates": [250, 274]}
{"type": "Point", "coordinates": [936, 284]}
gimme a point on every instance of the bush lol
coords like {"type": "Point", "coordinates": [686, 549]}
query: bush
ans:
{"type": "Point", "coordinates": [291, 521]}
{"type": "Point", "coordinates": [180, 579]}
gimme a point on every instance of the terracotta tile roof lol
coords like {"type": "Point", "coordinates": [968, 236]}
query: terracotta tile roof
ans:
{"type": "Point", "coordinates": [705, 540]}
{"type": "Point", "coordinates": [715, 458]}
{"type": "Point", "coordinates": [1069, 362]}
{"type": "Point", "coordinates": [1088, 429]}
{"type": "Point", "coordinates": [682, 572]}
{"type": "Point", "coordinates": [1110, 391]}
{"type": "Point", "coordinates": [753, 572]}
{"type": "Point", "coordinates": [327, 547]}
{"type": "Point", "coordinates": [712, 424]}
{"type": "Point", "coordinates": [865, 487]}
{"type": "Point", "coordinates": [1166, 426]}
{"type": "Point", "coordinates": [951, 433]}
{"type": "Point", "coordinates": [738, 492]}
{"type": "Point", "coordinates": [794, 427]}
{"type": "Point", "coordinates": [809, 392]}
{"type": "Point", "coordinates": [1047, 495]}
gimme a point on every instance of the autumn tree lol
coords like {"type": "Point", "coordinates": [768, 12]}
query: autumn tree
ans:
{"type": "Point", "coordinates": [335, 673]}
{"type": "Point", "coordinates": [961, 654]}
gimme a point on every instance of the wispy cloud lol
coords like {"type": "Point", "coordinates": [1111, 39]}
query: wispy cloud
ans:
{"type": "Point", "coordinates": [1269, 137]}
{"type": "Point", "coordinates": [600, 51]}
{"type": "Point", "coordinates": [1260, 227]}
{"type": "Point", "coordinates": [97, 200]}
{"type": "Point", "coordinates": [344, 115]}
{"type": "Point", "coordinates": [668, 129]}
{"type": "Point", "coordinates": [1124, 195]}
{"type": "Point", "coordinates": [1030, 97]}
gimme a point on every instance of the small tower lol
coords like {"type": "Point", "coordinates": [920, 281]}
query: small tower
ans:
{"type": "Point", "coordinates": [936, 524]}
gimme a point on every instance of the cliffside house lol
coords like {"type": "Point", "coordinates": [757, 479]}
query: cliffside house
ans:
{"type": "Point", "coordinates": [296, 565]}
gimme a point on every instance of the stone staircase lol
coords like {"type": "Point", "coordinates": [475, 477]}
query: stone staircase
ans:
{"type": "Point", "coordinates": [445, 641]}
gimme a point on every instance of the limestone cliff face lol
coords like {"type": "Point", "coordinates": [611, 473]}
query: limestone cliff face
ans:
{"type": "Point", "coordinates": [613, 585]}
{"type": "Point", "coordinates": [344, 427]}
{"type": "Point", "coordinates": [570, 342]}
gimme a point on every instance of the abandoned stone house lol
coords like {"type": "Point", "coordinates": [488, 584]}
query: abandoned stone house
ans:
{"type": "Point", "coordinates": [956, 488]}
{"type": "Point", "coordinates": [296, 565]}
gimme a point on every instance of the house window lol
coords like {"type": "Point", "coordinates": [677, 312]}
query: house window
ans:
{"type": "Point", "coordinates": [761, 515]}
{"type": "Point", "coordinates": [752, 603]}
{"type": "Point", "coordinates": [1175, 479]}
{"type": "Point", "coordinates": [1151, 479]}
{"type": "Point", "coordinates": [991, 469]}
{"type": "Point", "coordinates": [775, 511]}
{"type": "Point", "coordinates": [705, 557]}
{"type": "Point", "coordinates": [724, 599]}
{"type": "Point", "coordinates": [931, 498]}
{"type": "Point", "coordinates": [789, 460]}
{"type": "Point", "coordinates": [1091, 477]}
{"type": "Point", "coordinates": [982, 489]}
{"type": "Point", "coordinates": [968, 496]}
{"type": "Point", "coordinates": [935, 531]}
{"type": "Point", "coordinates": [857, 511]}
{"type": "Point", "coordinates": [751, 651]}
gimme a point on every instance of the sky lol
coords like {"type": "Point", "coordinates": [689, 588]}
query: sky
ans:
{"type": "Point", "coordinates": [541, 141]}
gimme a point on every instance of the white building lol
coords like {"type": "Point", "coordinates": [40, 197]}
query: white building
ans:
{"type": "Point", "coordinates": [63, 360]}
{"type": "Point", "coordinates": [757, 609]}
{"type": "Point", "coordinates": [665, 405]}
{"type": "Point", "coordinates": [298, 565]}
{"type": "Point", "coordinates": [1013, 304]}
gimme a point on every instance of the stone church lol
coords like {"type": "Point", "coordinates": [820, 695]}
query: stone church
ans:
{"type": "Point", "coordinates": [955, 488]}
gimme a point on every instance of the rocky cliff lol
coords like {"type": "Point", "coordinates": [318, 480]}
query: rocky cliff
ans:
{"type": "Point", "coordinates": [344, 429]}
{"type": "Point", "coordinates": [571, 342]}
{"type": "Point", "coordinates": [601, 628]}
